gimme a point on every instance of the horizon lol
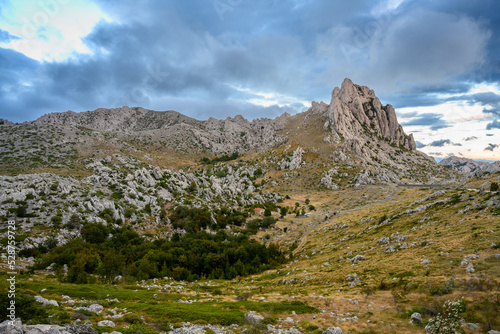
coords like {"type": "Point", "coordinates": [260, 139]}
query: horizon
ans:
{"type": "Point", "coordinates": [261, 59]}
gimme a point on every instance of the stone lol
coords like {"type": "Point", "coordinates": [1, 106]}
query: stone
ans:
{"type": "Point", "coordinates": [416, 318]}
{"type": "Point", "coordinates": [357, 258]}
{"type": "Point", "coordinates": [253, 318]}
{"type": "Point", "coordinates": [333, 330]}
{"type": "Point", "coordinates": [106, 323]}
{"type": "Point", "coordinates": [426, 262]}
{"type": "Point", "coordinates": [46, 302]}
{"type": "Point", "coordinates": [95, 308]}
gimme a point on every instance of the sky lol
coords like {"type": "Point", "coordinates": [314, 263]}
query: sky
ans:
{"type": "Point", "coordinates": [436, 62]}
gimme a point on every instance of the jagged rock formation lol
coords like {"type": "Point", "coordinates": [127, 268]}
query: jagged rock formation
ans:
{"type": "Point", "coordinates": [5, 122]}
{"type": "Point", "coordinates": [470, 167]}
{"type": "Point", "coordinates": [356, 112]}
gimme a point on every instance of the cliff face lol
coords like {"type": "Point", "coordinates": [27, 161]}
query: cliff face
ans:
{"type": "Point", "coordinates": [355, 112]}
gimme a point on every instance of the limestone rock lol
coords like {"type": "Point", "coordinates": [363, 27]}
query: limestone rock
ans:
{"type": "Point", "coordinates": [106, 323]}
{"type": "Point", "coordinates": [46, 302]}
{"type": "Point", "coordinates": [357, 258]}
{"type": "Point", "coordinates": [333, 330]}
{"type": "Point", "coordinates": [253, 318]}
{"type": "Point", "coordinates": [296, 161]}
{"type": "Point", "coordinates": [327, 179]}
{"type": "Point", "coordinates": [355, 111]}
{"type": "Point", "coordinates": [416, 318]}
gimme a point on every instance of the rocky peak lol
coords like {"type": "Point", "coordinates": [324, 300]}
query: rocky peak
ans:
{"type": "Point", "coordinates": [355, 112]}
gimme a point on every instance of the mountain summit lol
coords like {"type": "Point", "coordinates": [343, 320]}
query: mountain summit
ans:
{"type": "Point", "coordinates": [356, 112]}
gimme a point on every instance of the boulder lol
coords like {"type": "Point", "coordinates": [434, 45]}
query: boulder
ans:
{"type": "Point", "coordinates": [253, 318]}
{"type": "Point", "coordinates": [106, 323]}
{"type": "Point", "coordinates": [357, 258]}
{"type": "Point", "coordinates": [333, 330]}
{"type": "Point", "coordinates": [46, 302]}
{"type": "Point", "coordinates": [416, 318]}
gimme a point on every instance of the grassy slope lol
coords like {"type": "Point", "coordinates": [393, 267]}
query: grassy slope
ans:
{"type": "Point", "coordinates": [392, 286]}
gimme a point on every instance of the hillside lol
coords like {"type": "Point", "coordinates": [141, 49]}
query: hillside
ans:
{"type": "Point", "coordinates": [157, 222]}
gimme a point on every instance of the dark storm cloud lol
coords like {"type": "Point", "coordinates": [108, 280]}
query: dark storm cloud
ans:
{"type": "Point", "coordinates": [443, 142]}
{"type": "Point", "coordinates": [209, 58]}
{"type": "Point", "coordinates": [432, 120]}
{"type": "Point", "coordinates": [490, 147]}
{"type": "Point", "coordinates": [493, 125]}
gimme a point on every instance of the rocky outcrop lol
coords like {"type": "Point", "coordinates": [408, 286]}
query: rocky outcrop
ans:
{"type": "Point", "coordinates": [327, 179]}
{"type": "Point", "coordinates": [5, 122]}
{"type": "Point", "coordinates": [356, 112]}
{"type": "Point", "coordinates": [16, 327]}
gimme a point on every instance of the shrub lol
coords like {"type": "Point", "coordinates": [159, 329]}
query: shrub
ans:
{"type": "Point", "coordinates": [27, 309]}
{"type": "Point", "coordinates": [21, 211]}
{"type": "Point", "coordinates": [449, 321]}
{"type": "Point", "coordinates": [132, 318]}
{"type": "Point", "coordinates": [494, 186]}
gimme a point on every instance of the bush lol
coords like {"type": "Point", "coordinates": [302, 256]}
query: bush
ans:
{"type": "Point", "coordinates": [449, 321]}
{"type": "Point", "coordinates": [56, 221]}
{"type": "Point", "coordinates": [27, 309]}
{"type": "Point", "coordinates": [494, 186]}
{"type": "Point", "coordinates": [132, 318]}
{"type": "Point", "coordinates": [21, 211]}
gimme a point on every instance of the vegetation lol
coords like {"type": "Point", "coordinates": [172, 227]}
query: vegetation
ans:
{"type": "Point", "coordinates": [223, 158]}
{"type": "Point", "coordinates": [190, 256]}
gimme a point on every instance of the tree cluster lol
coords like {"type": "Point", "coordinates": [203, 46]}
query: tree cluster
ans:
{"type": "Point", "coordinates": [202, 248]}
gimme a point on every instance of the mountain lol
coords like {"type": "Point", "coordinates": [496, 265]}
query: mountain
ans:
{"type": "Point", "coordinates": [354, 132]}
{"type": "Point", "coordinates": [170, 208]}
{"type": "Point", "coordinates": [356, 112]}
{"type": "Point", "coordinates": [470, 167]}
{"type": "Point", "coordinates": [174, 129]}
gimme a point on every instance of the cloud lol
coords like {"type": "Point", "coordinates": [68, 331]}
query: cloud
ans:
{"type": "Point", "coordinates": [436, 154]}
{"type": "Point", "coordinates": [443, 142]}
{"type": "Point", "coordinates": [419, 144]}
{"type": "Point", "coordinates": [493, 125]}
{"type": "Point", "coordinates": [6, 37]}
{"type": "Point", "coordinates": [432, 120]}
{"type": "Point", "coordinates": [490, 100]}
{"type": "Point", "coordinates": [490, 147]}
{"type": "Point", "coordinates": [192, 58]}
{"type": "Point", "coordinates": [489, 134]}
{"type": "Point", "coordinates": [470, 138]}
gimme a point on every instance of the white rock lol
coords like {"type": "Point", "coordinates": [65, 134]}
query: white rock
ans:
{"type": "Point", "coordinates": [106, 323]}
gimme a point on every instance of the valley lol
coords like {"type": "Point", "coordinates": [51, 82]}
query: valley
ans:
{"type": "Point", "coordinates": [328, 221]}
